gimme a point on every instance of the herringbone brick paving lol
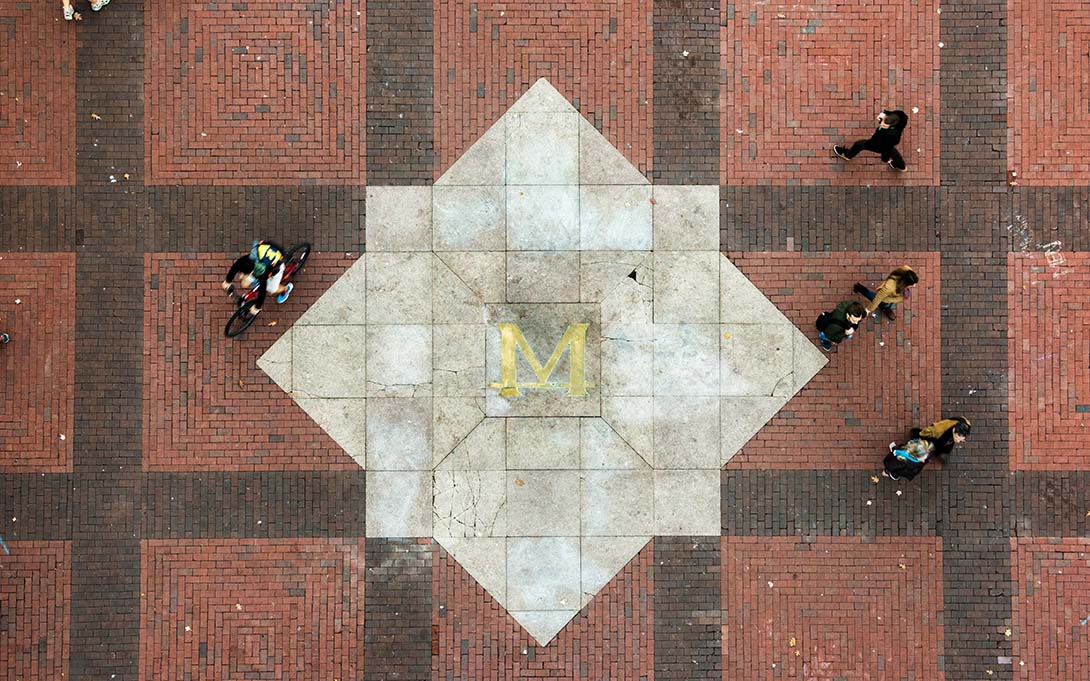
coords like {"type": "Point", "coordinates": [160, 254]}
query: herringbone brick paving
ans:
{"type": "Point", "coordinates": [982, 511]}
{"type": "Point", "coordinates": [35, 601]}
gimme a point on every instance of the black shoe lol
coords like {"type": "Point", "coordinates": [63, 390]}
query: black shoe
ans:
{"type": "Point", "coordinates": [839, 151]}
{"type": "Point", "coordinates": [861, 289]}
{"type": "Point", "coordinates": [888, 312]}
{"type": "Point", "coordinates": [4, 338]}
{"type": "Point", "coordinates": [826, 345]}
{"type": "Point", "coordinates": [900, 170]}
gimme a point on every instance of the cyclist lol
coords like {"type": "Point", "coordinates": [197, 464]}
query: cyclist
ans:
{"type": "Point", "coordinates": [264, 264]}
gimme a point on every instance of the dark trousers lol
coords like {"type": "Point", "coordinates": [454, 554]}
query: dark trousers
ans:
{"type": "Point", "coordinates": [866, 145]}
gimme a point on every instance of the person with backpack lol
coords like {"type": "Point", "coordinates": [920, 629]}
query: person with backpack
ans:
{"type": "Point", "coordinates": [840, 324]}
{"type": "Point", "coordinates": [264, 265]}
{"type": "Point", "coordinates": [884, 141]}
{"type": "Point", "coordinates": [927, 444]}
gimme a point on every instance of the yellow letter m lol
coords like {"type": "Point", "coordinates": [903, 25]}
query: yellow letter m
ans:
{"type": "Point", "coordinates": [512, 340]}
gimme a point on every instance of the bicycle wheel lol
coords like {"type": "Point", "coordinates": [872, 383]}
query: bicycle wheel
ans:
{"type": "Point", "coordinates": [295, 258]}
{"type": "Point", "coordinates": [240, 320]}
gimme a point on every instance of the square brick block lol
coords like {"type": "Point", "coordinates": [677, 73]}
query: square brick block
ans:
{"type": "Point", "coordinates": [262, 92]}
{"type": "Point", "coordinates": [251, 608]}
{"type": "Point", "coordinates": [1048, 342]}
{"type": "Point", "coordinates": [803, 77]}
{"type": "Point", "coordinates": [34, 610]}
{"type": "Point", "coordinates": [879, 383]}
{"type": "Point", "coordinates": [1047, 91]}
{"type": "Point", "coordinates": [834, 608]}
{"type": "Point", "coordinates": [597, 54]}
{"type": "Point", "coordinates": [37, 309]}
{"type": "Point", "coordinates": [37, 95]}
{"type": "Point", "coordinates": [207, 406]}
{"type": "Point", "coordinates": [611, 638]}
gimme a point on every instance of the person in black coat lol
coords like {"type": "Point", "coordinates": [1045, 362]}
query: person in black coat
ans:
{"type": "Point", "coordinates": [884, 141]}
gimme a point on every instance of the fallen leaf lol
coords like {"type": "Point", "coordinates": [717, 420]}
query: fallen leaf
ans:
{"type": "Point", "coordinates": [874, 479]}
{"type": "Point", "coordinates": [520, 482]}
{"type": "Point", "coordinates": [899, 492]}
{"type": "Point", "coordinates": [902, 566]}
{"type": "Point", "coordinates": [240, 383]}
{"type": "Point", "coordinates": [797, 653]}
{"type": "Point", "coordinates": [791, 642]}
{"type": "Point", "coordinates": [126, 176]}
{"type": "Point", "coordinates": [1007, 633]}
{"type": "Point", "coordinates": [96, 117]}
{"type": "Point", "coordinates": [726, 334]}
{"type": "Point", "coordinates": [272, 323]}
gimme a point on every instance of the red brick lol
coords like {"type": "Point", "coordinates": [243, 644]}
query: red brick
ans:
{"type": "Point", "coordinates": [207, 406]}
{"type": "Point", "coordinates": [803, 77]}
{"type": "Point", "coordinates": [258, 93]}
{"type": "Point", "coordinates": [1047, 345]}
{"type": "Point", "coordinates": [610, 639]}
{"type": "Point", "coordinates": [1050, 606]}
{"type": "Point", "coordinates": [598, 54]}
{"type": "Point", "coordinates": [37, 95]}
{"type": "Point", "coordinates": [877, 386]}
{"type": "Point", "coordinates": [1047, 92]}
{"type": "Point", "coordinates": [34, 609]}
{"type": "Point", "coordinates": [835, 608]}
{"type": "Point", "coordinates": [219, 609]}
{"type": "Point", "coordinates": [38, 364]}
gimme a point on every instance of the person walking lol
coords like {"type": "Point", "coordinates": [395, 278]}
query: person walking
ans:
{"type": "Point", "coordinates": [892, 291]}
{"type": "Point", "coordinates": [837, 326]}
{"type": "Point", "coordinates": [927, 444]}
{"type": "Point", "coordinates": [4, 339]}
{"type": "Point", "coordinates": [70, 12]}
{"type": "Point", "coordinates": [884, 141]}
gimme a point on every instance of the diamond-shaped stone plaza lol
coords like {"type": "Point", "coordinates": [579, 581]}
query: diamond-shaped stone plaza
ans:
{"type": "Point", "coordinates": [547, 399]}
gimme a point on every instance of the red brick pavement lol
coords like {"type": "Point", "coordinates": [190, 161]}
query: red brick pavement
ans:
{"type": "Point", "coordinates": [877, 386]}
{"type": "Point", "coordinates": [257, 93]}
{"type": "Point", "coordinates": [34, 610]}
{"type": "Point", "coordinates": [836, 608]}
{"type": "Point", "coordinates": [802, 77]}
{"type": "Point", "coordinates": [610, 639]}
{"type": "Point", "coordinates": [598, 54]}
{"type": "Point", "coordinates": [1048, 345]}
{"type": "Point", "coordinates": [242, 609]}
{"type": "Point", "coordinates": [37, 308]}
{"type": "Point", "coordinates": [207, 406]}
{"type": "Point", "coordinates": [1050, 607]}
{"type": "Point", "coordinates": [1047, 90]}
{"type": "Point", "coordinates": [37, 95]}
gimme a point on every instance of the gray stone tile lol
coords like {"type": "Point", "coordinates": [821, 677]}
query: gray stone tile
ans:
{"type": "Point", "coordinates": [276, 361]}
{"type": "Point", "coordinates": [483, 163]}
{"type": "Point", "coordinates": [757, 360]}
{"type": "Point", "coordinates": [633, 418]}
{"type": "Point", "coordinates": [484, 448]}
{"type": "Point", "coordinates": [542, 503]}
{"type": "Point", "coordinates": [398, 219]}
{"type": "Point", "coordinates": [399, 433]}
{"type": "Point", "coordinates": [628, 352]}
{"type": "Point", "coordinates": [632, 300]}
{"type": "Point", "coordinates": [399, 288]}
{"type": "Point", "coordinates": [741, 302]}
{"type": "Point", "coordinates": [686, 359]}
{"type": "Point", "coordinates": [484, 272]}
{"type": "Point", "coordinates": [600, 162]}
{"type": "Point", "coordinates": [458, 357]}
{"type": "Point", "coordinates": [469, 218]}
{"type": "Point", "coordinates": [602, 558]}
{"type": "Point", "coordinates": [453, 419]}
{"type": "Point", "coordinates": [543, 148]}
{"type": "Point", "coordinates": [469, 504]}
{"type": "Point", "coordinates": [617, 503]}
{"type": "Point", "coordinates": [600, 272]}
{"type": "Point", "coordinates": [484, 558]}
{"type": "Point", "coordinates": [398, 360]}
{"type": "Point", "coordinates": [543, 625]}
{"type": "Point", "coordinates": [328, 361]}
{"type": "Point", "coordinates": [687, 287]}
{"type": "Point", "coordinates": [615, 217]}
{"type": "Point", "coordinates": [541, 443]}
{"type": "Point", "coordinates": [343, 302]}
{"type": "Point", "coordinates": [686, 432]}
{"type": "Point", "coordinates": [453, 301]}
{"type": "Point", "coordinates": [543, 277]}
{"type": "Point", "coordinates": [345, 421]}
{"type": "Point", "coordinates": [542, 217]}
{"type": "Point", "coordinates": [602, 447]}
{"type": "Point", "coordinates": [543, 573]}
{"type": "Point", "coordinates": [687, 502]}
{"type": "Point", "coordinates": [686, 217]}
{"type": "Point", "coordinates": [741, 418]}
{"type": "Point", "coordinates": [398, 503]}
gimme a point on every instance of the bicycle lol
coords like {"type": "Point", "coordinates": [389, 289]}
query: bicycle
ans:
{"type": "Point", "coordinates": [242, 318]}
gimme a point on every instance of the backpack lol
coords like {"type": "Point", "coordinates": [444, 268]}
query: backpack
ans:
{"type": "Point", "coordinates": [823, 320]}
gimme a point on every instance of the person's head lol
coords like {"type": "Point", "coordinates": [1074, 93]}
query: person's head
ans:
{"type": "Point", "coordinates": [905, 276]}
{"type": "Point", "coordinates": [856, 312]}
{"type": "Point", "coordinates": [890, 120]}
{"type": "Point", "coordinates": [961, 429]}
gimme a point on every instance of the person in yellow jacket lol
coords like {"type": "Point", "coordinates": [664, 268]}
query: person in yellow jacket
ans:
{"type": "Point", "coordinates": [945, 434]}
{"type": "Point", "coordinates": [892, 291]}
{"type": "Point", "coordinates": [927, 444]}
